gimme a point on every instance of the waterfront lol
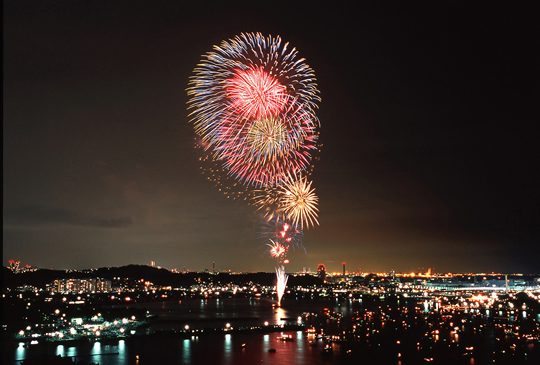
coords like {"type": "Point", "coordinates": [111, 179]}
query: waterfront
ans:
{"type": "Point", "coordinates": [240, 348]}
{"type": "Point", "coordinates": [389, 330]}
{"type": "Point", "coordinates": [168, 341]}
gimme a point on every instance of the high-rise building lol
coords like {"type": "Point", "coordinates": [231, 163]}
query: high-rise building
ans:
{"type": "Point", "coordinates": [321, 270]}
{"type": "Point", "coordinates": [343, 268]}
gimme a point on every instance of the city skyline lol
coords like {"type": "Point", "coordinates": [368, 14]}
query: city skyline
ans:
{"type": "Point", "coordinates": [421, 272]}
{"type": "Point", "coordinates": [428, 153]}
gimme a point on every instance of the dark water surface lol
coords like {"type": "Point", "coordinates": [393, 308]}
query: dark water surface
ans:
{"type": "Point", "coordinates": [398, 339]}
{"type": "Point", "coordinates": [216, 348]}
{"type": "Point", "coordinates": [213, 349]}
{"type": "Point", "coordinates": [238, 312]}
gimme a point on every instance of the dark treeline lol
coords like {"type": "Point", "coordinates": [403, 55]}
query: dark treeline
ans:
{"type": "Point", "coordinates": [157, 276]}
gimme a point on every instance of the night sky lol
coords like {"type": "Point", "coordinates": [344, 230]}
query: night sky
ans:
{"type": "Point", "coordinates": [429, 156]}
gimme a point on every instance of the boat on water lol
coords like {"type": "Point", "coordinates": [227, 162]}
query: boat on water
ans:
{"type": "Point", "coordinates": [327, 350]}
{"type": "Point", "coordinates": [286, 338]}
{"type": "Point", "coordinates": [336, 338]}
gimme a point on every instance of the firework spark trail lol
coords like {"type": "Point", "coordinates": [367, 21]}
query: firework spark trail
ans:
{"type": "Point", "coordinates": [214, 172]}
{"type": "Point", "coordinates": [281, 282]}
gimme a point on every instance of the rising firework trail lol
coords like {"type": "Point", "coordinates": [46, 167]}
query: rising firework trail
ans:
{"type": "Point", "coordinates": [281, 282]}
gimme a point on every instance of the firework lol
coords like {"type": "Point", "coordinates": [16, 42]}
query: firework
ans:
{"type": "Point", "coordinates": [299, 203]}
{"type": "Point", "coordinates": [281, 282]}
{"type": "Point", "coordinates": [294, 201]}
{"type": "Point", "coordinates": [281, 231]}
{"type": "Point", "coordinates": [256, 94]}
{"type": "Point", "coordinates": [253, 103]}
{"type": "Point", "coordinates": [264, 151]}
{"type": "Point", "coordinates": [267, 200]}
{"type": "Point", "coordinates": [277, 250]}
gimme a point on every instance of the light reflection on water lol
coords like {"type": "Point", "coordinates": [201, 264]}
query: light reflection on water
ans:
{"type": "Point", "coordinates": [227, 350]}
{"type": "Point", "coordinates": [217, 349]}
{"type": "Point", "coordinates": [60, 350]}
{"type": "Point", "coordinates": [96, 353]}
{"type": "Point", "coordinates": [299, 347]}
{"type": "Point", "coordinates": [72, 351]}
{"type": "Point", "coordinates": [266, 343]}
{"type": "Point", "coordinates": [344, 307]}
{"type": "Point", "coordinates": [122, 351]}
{"type": "Point", "coordinates": [186, 351]}
{"type": "Point", "coordinates": [20, 353]}
{"type": "Point", "coordinates": [280, 313]}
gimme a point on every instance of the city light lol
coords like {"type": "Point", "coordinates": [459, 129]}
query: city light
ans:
{"type": "Point", "coordinates": [453, 308]}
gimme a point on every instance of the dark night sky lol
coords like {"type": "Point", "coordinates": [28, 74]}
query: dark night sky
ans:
{"type": "Point", "coordinates": [429, 154]}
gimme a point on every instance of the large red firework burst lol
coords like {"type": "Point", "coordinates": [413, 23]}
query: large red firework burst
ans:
{"type": "Point", "coordinates": [255, 94]}
{"type": "Point", "coordinates": [254, 103]}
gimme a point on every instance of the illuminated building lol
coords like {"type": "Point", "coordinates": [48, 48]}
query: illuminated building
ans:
{"type": "Point", "coordinates": [321, 271]}
{"type": "Point", "coordinates": [104, 286]}
{"type": "Point", "coordinates": [14, 266]}
{"type": "Point", "coordinates": [90, 285]}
